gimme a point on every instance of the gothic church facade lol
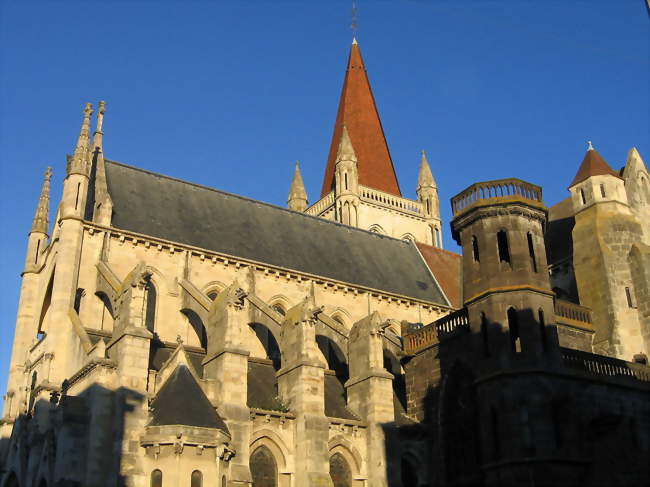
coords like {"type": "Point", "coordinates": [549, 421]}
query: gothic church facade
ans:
{"type": "Point", "coordinates": [173, 334]}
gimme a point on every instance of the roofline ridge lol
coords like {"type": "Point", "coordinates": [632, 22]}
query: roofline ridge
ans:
{"type": "Point", "coordinates": [245, 198]}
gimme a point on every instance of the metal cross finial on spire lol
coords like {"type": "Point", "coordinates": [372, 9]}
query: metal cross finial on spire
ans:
{"type": "Point", "coordinates": [590, 147]}
{"type": "Point", "coordinates": [353, 24]}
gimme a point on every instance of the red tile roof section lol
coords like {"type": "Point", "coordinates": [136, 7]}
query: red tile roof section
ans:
{"type": "Point", "coordinates": [357, 110]}
{"type": "Point", "coordinates": [445, 266]}
{"type": "Point", "coordinates": [592, 165]}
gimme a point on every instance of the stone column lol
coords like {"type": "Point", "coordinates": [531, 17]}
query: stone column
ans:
{"type": "Point", "coordinates": [226, 363]}
{"type": "Point", "coordinates": [370, 391]}
{"type": "Point", "coordinates": [301, 382]}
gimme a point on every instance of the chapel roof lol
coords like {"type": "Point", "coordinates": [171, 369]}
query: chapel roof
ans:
{"type": "Point", "coordinates": [358, 113]}
{"type": "Point", "coordinates": [592, 165]}
{"type": "Point", "coordinates": [182, 401]}
{"type": "Point", "coordinates": [447, 266]}
{"type": "Point", "coordinates": [179, 211]}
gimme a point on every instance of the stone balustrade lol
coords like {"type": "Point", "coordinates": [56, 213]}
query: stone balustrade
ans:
{"type": "Point", "coordinates": [567, 313]}
{"type": "Point", "coordinates": [496, 191]}
{"type": "Point", "coordinates": [431, 334]}
{"type": "Point", "coordinates": [604, 366]}
{"type": "Point", "coordinates": [391, 201]}
{"type": "Point", "coordinates": [321, 205]}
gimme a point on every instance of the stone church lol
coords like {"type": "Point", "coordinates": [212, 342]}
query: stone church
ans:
{"type": "Point", "coordinates": [171, 334]}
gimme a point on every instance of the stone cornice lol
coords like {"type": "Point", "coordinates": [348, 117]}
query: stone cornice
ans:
{"type": "Point", "coordinates": [239, 262]}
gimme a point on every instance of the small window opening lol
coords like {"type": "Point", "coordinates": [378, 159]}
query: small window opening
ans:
{"type": "Point", "coordinates": [428, 207]}
{"type": "Point", "coordinates": [628, 295]}
{"type": "Point", "coordinates": [150, 305]}
{"type": "Point", "coordinates": [278, 307]}
{"type": "Point", "coordinates": [542, 328]}
{"type": "Point", "coordinates": [502, 243]}
{"type": "Point", "coordinates": [77, 299]}
{"type": "Point", "coordinates": [582, 195]}
{"type": "Point", "coordinates": [196, 479]}
{"type": "Point", "coordinates": [484, 336]}
{"type": "Point", "coordinates": [76, 201]}
{"type": "Point", "coordinates": [475, 252]}
{"type": "Point", "coordinates": [531, 252]}
{"type": "Point", "coordinates": [345, 177]}
{"type": "Point", "coordinates": [212, 295]}
{"type": "Point", "coordinates": [602, 190]}
{"type": "Point", "coordinates": [38, 248]}
{"type": "Point", "coordinates": [513, 328]}
{"type": "Point", "coordinates": [156, 478]}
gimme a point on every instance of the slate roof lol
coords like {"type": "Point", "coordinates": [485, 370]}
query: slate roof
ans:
{"type": "Point", "coordinates": [446, 266]}
{"type": "Point", "coordinates": [182, 401]}
{"type": "Point", "coordinates": [358, 112]}
{"type": "Point", "coordinates": [592, 165]}
{"type": "Point", "coordinates": [178, 211]}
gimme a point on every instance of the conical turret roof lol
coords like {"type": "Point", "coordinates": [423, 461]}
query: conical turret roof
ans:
{"type": "Point", "coordinates": [297, 190]}
{"type": "Point", "coordinates": [358, 113]}
{"type": "Point", "coordinates": [592, 165]}
{"type": "Point", "coordinates": [425, 177]}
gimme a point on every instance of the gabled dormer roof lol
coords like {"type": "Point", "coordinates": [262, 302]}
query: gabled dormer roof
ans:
{"type": "Point", "coordinates": [358, 113]}
{"type": "Point", "coordinates": [592, 165]}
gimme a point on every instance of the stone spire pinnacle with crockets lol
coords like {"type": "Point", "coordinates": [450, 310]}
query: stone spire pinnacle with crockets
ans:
{"type": "Point", "coordinates": [297, 195]}
{"type": "Point", "coordinates": [79, 163]}
{"type": "Point", "coordinates": [41, 218]}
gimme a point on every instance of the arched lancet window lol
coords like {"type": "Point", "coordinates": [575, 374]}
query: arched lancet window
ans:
{"type": "Point", "coordinates": [197, 479]}
{"type": "Point", "coordinates": [602, 190]}
{"type": "Point", "coordinates": [542, 328]}
{"type": "Point", "coordinates": [224, 481]}
{"type": "Point", "coordinates": [513, 328]}
{"type": "Point", "coordinates": [531, 251]}
{"type": "Point", "coordinates": [484, 336]}
{"type": "Point", "coordinates": [582, 196]}
{"type": "Point", "coordinates": [502, 244]}
{"type": "Point", "coordinates": [340, 471]}
{"type": "Point", "coordinates": [156, 478]}
{"type": "Point", "coordinates": [475, 252]}
{"type": "Point", "coordinates": [428, 207]}
{"type": "Point", "coordinates": [345, 176]}
{"type": "Point", "coordinates": [78, 296]}
{"type": "Point", "coordinates": [264, 469]}
{"type": "Point", "coordinates": [409, 471]}
{"type": "Point", "coordinates": [150, 305]}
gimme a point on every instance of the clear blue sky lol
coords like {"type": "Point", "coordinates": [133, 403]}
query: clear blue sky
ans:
{"type": "Point", "coordinates": [230, 93]}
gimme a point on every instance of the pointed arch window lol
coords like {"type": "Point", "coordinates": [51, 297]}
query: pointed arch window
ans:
{"type": "Point", "coordinates": [264, 469]}
{"type": "Point", "coordinates": [582, 196]}
{"type": "Point", "coordinates": [340, 471]}
{"type": "Point", "coordinates": [602, 190]}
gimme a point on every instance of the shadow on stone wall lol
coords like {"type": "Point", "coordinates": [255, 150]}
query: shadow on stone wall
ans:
{"type": "Point", "coordinates": [524, 413]}
{"type": "Point", "coordinates": [74, 440]}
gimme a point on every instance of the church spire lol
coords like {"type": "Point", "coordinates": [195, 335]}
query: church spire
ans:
{"type": "Point", "coordinates": [79, 162]}
{"type": "Point", "coordinates": [41, 218]}
{"type": "Point", "coordinates": [297, 200]}
{"type": "Point", "coordinates": [425, 177]}
{"type": "Point", "coordinates": [358, 112]}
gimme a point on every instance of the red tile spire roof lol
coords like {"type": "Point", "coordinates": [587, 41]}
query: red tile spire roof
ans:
{"type": "Point", "coordinates": [358, 112]}
{"type": "Point", "coordinates": [592, 165]}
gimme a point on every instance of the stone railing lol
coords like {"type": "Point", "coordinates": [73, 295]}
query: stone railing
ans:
{"type": "Point", "coordinates": [391, 201]}
{"type": "Point", "coordinates": [604, 366]}
{"type": "Point", "coordinates": [420, 339]}
{"type": "Point", "coordinates": [496, 191]}
{"type": "Point", "coordinates": [431, 334]}
{"type": "Point", "coordinates": [567, 313]}
{"type": "Point", "coordinates": [452, 322]}
{"type": "Point", "coordinates": [321, 205]}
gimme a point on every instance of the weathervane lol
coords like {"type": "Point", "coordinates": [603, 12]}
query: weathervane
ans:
{"type": "Point", "coordinates": [353, 25]}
